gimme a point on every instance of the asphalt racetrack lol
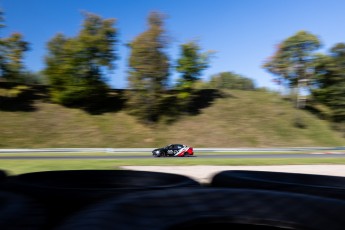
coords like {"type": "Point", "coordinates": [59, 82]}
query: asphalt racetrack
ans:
{"type": "Point", "coordinates": [149, 155]}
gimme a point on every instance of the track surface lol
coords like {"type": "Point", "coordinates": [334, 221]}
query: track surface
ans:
{"type": "Point", "coordinates": [148, 156]}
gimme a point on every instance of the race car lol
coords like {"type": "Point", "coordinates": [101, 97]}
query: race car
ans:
{"type": "Point", "coordinates": [173, 150]}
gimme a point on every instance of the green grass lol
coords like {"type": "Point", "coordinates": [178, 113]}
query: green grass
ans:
{"type": "Point", "coordinates": [23, 166]}
{"type": "Point", "coordinates": [241, 119]}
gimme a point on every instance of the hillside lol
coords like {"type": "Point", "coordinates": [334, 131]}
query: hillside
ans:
{"type": "Point", "coordinates": [240, 119]}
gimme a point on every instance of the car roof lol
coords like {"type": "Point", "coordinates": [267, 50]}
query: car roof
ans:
{"type": "Point", "coordinates": [177, 144]}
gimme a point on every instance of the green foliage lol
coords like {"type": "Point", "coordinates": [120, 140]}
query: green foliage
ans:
{"type": "Point", "coordinates": [80, 94]}
{"type": "Point", "coordinates": [329, 81]}
{"type": "Point", "coordinates": [34, 78]}
{"type": "Point", "coordinates": [191, 63]}
{"type": "Point", "coordinates": [229, 80]}
{"type": "Point", "coordinates": [75, 66]}
{"type": "Point", "coordinates": [149, 70]}
{"type": "Point", "coordinates": [11, 56]}
{"type": "Point", "coordinates": [293, 59]}
{"type": "Point", "coordinates": [2, 24]}
{"type": "Point", "coordinates": [13, 92]}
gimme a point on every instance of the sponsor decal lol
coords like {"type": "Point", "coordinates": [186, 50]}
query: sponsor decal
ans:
{"type": "Point", "coordinates": [181, 152]}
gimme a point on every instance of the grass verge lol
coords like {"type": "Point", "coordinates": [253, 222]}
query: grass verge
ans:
{"type": "Point", "coordinates": [12, 167]}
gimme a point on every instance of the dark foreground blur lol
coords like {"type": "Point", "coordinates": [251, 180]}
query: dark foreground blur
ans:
{"type": "Point", "coordinates": [129, 199]}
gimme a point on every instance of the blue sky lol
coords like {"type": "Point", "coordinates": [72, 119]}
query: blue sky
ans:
{"type": "Point", "coordinates": [242, 32]}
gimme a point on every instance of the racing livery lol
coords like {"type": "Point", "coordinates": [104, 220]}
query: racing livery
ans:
{"type": "Point", "coordinates": [173, 150]}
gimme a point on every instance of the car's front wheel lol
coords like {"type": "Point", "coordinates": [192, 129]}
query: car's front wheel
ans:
{"type": "Point", "coordinates": [156, 154]}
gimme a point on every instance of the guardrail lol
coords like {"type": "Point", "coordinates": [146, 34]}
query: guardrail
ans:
{"type": "Point", "coordinates": [136, 150]}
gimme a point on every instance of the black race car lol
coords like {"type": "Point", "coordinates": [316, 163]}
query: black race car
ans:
{"type": "Point", "coordinates": [173, 150]}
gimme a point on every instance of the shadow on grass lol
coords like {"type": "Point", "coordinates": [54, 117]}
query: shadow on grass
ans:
{"type": "Point", "coordinates": [17, 97]}
{"type": "Point", "coordinates": [114, 101]}
{"type": "Point", "coordinates": [172, 108]}
{"type": "Point", "coordinates": [204, 98]}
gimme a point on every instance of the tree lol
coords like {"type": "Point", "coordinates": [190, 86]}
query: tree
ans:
{"type": "Point", "coordinates": [76, 66]}
{"type": "Point", "coordinates": [191, 64]}
{"type": "Point", "coordinates": [293, 60]}
{"type": "Point", "coordinates": [329, 81]}
{"type": "Point", "coordinates": [15, 47]}
{"type": "Point", "coordinates": [2, 19]}
{"type": "Point", "coordinates": [148, 70]}
{"type": "Point", "coordinates": [11, 55]}
{"type": "Point", "coordinates": [229, 80]}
